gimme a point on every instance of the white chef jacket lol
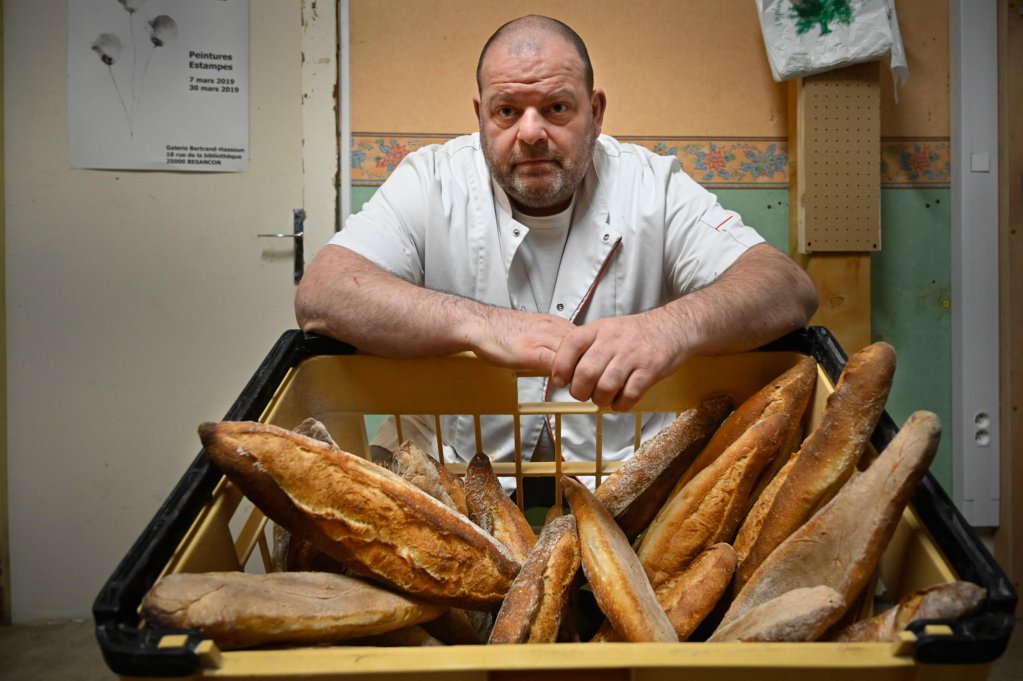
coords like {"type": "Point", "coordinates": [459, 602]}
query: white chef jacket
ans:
{"type": "Point", "coordinates": [643, 233]}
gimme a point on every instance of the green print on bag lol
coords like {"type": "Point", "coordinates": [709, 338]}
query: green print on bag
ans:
{"type": "Point", "coordinates": [809, 13]}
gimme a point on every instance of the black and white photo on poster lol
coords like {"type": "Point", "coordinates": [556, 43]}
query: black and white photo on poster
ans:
{"type": "Point", "coordinates": [159, 84]}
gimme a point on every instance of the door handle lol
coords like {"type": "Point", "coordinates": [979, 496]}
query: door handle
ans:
{"type": "Point", "coordinates": [298, 234]}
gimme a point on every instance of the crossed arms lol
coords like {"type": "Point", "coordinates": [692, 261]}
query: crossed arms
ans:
{"type": "Point", "coordinates": [611, 361]}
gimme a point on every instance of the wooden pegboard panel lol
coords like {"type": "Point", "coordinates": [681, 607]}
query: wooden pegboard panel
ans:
{"type": "Point", "coordinates": [838, 158]}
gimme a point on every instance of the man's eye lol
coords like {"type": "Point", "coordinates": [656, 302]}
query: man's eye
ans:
{"type": "Point", "coordinates": [505, 111]}
{"type": "Point", "coordinates": [559, 108]}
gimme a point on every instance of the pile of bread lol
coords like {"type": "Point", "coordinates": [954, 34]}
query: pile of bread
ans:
{"type": "Point", "coordinates": [734, 523]}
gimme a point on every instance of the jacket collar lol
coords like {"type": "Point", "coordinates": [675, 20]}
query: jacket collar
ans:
{"type": "Point", "coordinates": [592, 239]}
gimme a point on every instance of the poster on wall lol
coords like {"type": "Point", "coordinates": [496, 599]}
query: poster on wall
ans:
{"type": "Point", "coordinates": [159, 84]}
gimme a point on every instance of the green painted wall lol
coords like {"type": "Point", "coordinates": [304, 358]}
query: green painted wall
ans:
{"type": "Point", "coordinates": [911, 288]}
{"type": "Point", "coordinates": [910, 291]}
{"type": "Point", "coordinates": [360, 195]}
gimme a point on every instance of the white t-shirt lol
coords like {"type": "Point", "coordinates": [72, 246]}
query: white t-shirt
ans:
{"type": "Point", "coordinates": [541, 252]}
{"type": "Point", "coordinates": [642, 233]}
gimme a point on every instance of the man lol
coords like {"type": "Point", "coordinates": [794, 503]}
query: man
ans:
{"type": "Point", "coordinates": [541, 244]}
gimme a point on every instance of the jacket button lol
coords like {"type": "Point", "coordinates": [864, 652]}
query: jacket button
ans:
{"type": "Point", "coordinates": [560, 307]}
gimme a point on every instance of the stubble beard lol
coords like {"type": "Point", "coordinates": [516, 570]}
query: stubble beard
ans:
{"type": "Point", "coordinates": [563, 178]}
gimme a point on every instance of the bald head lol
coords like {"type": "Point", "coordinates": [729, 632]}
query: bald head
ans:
{"type": "Point", "coordinates": [526, 34]}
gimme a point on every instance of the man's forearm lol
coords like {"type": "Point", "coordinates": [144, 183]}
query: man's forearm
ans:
{"type": "Point", "coordinates": [345, 296]}
{"type": "Point", "coordinates": [761, 297]}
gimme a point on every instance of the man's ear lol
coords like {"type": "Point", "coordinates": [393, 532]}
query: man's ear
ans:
{"type": "Point", "coordinates": [476, 106]}
{"type": "Point", "coordinates": [598, 102]}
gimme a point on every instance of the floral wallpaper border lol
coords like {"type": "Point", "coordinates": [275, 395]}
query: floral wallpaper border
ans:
{"type": "Point", "coordinates": [724, 162]}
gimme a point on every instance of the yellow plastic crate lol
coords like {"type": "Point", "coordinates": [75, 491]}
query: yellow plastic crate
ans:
{"type": "Point", "coordinates": [206, 524]}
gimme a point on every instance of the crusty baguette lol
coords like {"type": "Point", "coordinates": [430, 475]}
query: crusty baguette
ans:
{"type": "Point", "coordinates": [635, 491]}
{"type": "Point", "coordinates": [789, 394]}
{"type": "Point", "coordinates": [281, 547]}
{"type": "Point", "coordinates": [362, 515]}
{"type": "Point", "coordinates": [691, 595]}
{"type": "Point", "coordinates": [410, 462]}
{"type": "Point", "coordinates": [294, 554]}
{"type": "Point", "coordinates": [709, 508]}
{"type": "Point", "coordinates": [492, 509]}
{"type": "Point", "coordinates": [829, 454]}
{"type": "Point", "coordinates": [619, 584]}
{"type": "Point", "coordinates": [453, 485]}
{"type": "Point", "coordinates": [459, 627]}
{"type": "Point", "coordinates": [555, 511]}
{"type": "Point", "coordinates": [462, 627]}
{"type": "Point", "coordinates": [535, 604]}
{"type": "Point", "coordinates": [803, 614]}
{"type": "Point", "coordinates": [315, 429]}
{"type": "Point", "coordinates": [841, 545]}
{"type": "Point", "coordinates": [569, 631]}
{"type": "Point", "coordinates": [750, 526]}
{"type": "Point", "coordinates": [240, 610]}
{"type": "Point", "coordinates": [945, 601]}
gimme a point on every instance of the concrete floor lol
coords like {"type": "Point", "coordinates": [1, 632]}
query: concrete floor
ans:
{"type": "Point", "coordinates": [67, 651]}
{"type": "Point", "coordinates": [64, 651]}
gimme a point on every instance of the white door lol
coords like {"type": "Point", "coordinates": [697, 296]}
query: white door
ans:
{"type": "Point", "coordinates": [138, 303]}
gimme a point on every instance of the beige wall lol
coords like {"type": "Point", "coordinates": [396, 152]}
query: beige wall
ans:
{"type": "Point", "coordinates": [138, 305]}
{"type": "Point", "coordinates": [669, 67]}
{"type": "Point", "coordinates": [922, 110]}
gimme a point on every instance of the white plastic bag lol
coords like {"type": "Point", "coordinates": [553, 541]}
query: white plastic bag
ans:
{"type": "Point", "coordinates": [804, 37]}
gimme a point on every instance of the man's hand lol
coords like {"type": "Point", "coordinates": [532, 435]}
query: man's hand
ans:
{"type": "Point", "coordinates": [519, 340]}
{"type": "Point", "coordinates": [614, 361]}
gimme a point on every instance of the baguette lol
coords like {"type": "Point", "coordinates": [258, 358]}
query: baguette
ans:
{"type": "Point", "coordinates": [788, 394]}
{"type": "Point", "coordinates": [310, 427]}
{"type": "Point", "coordinates": [568, 632]}
{"type": "Point", "coordinates": [458, 627]}
{"type": "Point", "coordinates": [803, 614]}
{"type": "Point", "coordinates": [690, 596]}
{"type": "Point", "coordinates": [635, 491]}
{"type": "Point", "coordinates": [492, 509]}
{"type": "Point", "coordinates": [841, 545]}
{"type": "Point", "coordinates": [709, 508]}
{"type": "Point", "coordinates": [939, 602]}
{"type": "Point", "coordinates": [828, 456]}
{"type": "Point", "coordinates": [620, 586]}
{"type": "Point", "coordinates": [241, 610]}
{"type": "Point", "coordinates": [754, 520]}
{"type": "Point", "coordinates": [535, 604]}
{"type": "Point", "coordinates": [362, 515]}
{"type": "Point", "coordinates": [453, 485]}
{"type": "Point", "coordinates": [413, 464]}
{"type": "Point", "coordinates": [294, 554]}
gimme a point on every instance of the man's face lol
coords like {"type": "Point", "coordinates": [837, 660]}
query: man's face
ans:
{"type": "Point", "coordinates": [538, 121]}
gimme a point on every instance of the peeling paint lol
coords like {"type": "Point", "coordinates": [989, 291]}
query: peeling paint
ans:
{"type": "Point", "coordinates": [312, 10]}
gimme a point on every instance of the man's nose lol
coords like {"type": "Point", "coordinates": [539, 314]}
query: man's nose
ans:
{"type": "Point", "coordinates": [532, 127]}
